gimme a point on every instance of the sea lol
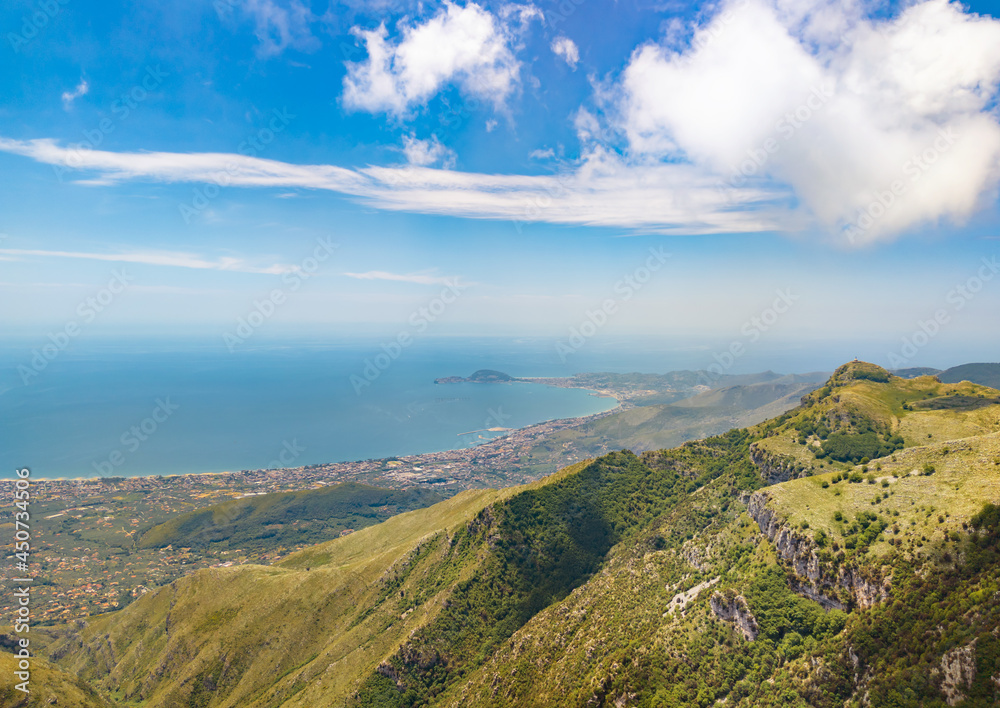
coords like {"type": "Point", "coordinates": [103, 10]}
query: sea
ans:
{"type": "Point", "coordinates": [164, 407]}
{"type": "Point", "coordinates": [133, 410]}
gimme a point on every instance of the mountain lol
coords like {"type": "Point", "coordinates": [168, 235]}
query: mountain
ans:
{"type": "Point", "coordinates": [286, 518]}
{"type": "Point", "coordinates": [481, 376]}
{"type": "Point", "coordinates": [983, 374]}
{"type": "Point", "coordinates": [662, 426]}
{"type": "Point", "coordinates": [768, 566]}
{"type": "Point", "coordinates": [915, 371]}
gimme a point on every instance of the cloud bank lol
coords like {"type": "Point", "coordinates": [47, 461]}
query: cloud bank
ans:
{"type": "Point", "coordinates": [875, 125]}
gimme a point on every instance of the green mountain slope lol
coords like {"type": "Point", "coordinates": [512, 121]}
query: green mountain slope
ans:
{"type": "Point", "coordinates": [678, 578]}
{"type": "Point", "coordinates": [48, 686]}
{"type": "Point", "coordinates": [286, 518]}
{"type": "Point", "coordinates": [983, 374]}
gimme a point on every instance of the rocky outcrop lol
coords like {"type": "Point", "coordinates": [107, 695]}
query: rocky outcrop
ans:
{"type": "Point", "coordinates": [834, 588]}
{"type": "Point", "coordinates": [775, 468]}
{"type": "Point", "coordinates": [958, 672]}
{"type": "Point", "coordinates": [734, 608]}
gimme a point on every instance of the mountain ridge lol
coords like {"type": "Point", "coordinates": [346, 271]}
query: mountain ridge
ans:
{"type": "Point", "coordinates": [678, 577]}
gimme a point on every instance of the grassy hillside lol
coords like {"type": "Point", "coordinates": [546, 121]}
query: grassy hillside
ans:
{"type": "Point", "coordinates": [286, 518]}
{"type": "Point", "coordinates": [48, 686]}
{"type": "Point", "coordinates": [674, 578]}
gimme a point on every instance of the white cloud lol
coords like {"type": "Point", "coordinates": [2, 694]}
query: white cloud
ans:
{"type": "Point", "coordinates": [604, 190]}
{"type": "Point", "coordinates": [847, 112]}
{"type": "Point", "coordinates": [782, 115]}
{"type": "Point", "coordinates": [566, 48]}
{"type": "Point", "coordinates": [546, 154]}
{"type": "Point", "coordinates": [82, 89]}
{"type": "Point", "coordinates": [427, 152]}
{"type": "Point", "coordinates": [463, 45]}
{"type": "Point", "coordinates": [175, 259]}
{"type": "Point", "coordinates": [416, 278]}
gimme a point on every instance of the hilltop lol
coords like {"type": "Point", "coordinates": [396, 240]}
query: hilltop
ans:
{"type": "Point", "coordinates": [846, 552]}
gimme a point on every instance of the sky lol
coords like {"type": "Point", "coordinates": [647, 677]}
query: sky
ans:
{"type": "Point", "coordinates": [795, 169]}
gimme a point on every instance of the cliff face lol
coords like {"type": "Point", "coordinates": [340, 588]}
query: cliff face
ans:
{"type": "Point", "coordinates": [775, 468]}
{"type": "Point", "coordinates": [734, 608]}
{"type": "Point", "coordinates": [832, 588]}
{"type": "Point", "coordinates": [958, 673]}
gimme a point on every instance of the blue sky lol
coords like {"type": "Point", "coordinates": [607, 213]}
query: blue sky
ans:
{"type": "Point", "coordinates": [537, 154]}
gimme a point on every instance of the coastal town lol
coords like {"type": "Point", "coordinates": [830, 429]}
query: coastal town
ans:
{"type": "Point", "coordinates": [86, 558]}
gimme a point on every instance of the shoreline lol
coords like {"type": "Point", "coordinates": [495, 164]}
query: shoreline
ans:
{"type": "Point", "coordinates": [528, 430]}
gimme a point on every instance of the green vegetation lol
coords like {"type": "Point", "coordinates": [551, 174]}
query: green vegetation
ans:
{"type": "Point", "coordinates": [855, 447]}
{"type": "Point", "coordinates": [653, 427]}
{"type": "Point", "coordinates": [49, 686]}
{"type": "Point", "coordinates": [641, 580]}
{"type": "Point", "coordinates": [278, 520]}
{"type": "Point", "coordinates": [545, 542]}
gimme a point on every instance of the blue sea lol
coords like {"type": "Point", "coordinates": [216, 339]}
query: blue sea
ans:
{"type": "Point", "coordinates": [166, 406]}
{"type": "Point", "coordinates": [126, 411]}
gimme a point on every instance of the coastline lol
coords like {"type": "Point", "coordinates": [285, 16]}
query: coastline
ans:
{"type": "Point", "coordinates": [355, 470]}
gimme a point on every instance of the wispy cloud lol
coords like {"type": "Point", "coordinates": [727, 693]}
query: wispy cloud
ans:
{"type": "Point", "coordinates": [603, 190]}
{"type": "Point", "coordinates": [418, 278]}
{"type": "Point", "coordinates": [82, 89]}
{"type": "Point", "coordinates": [174, 259]}
{"type": "Point", "coordinates": [278, 24]}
